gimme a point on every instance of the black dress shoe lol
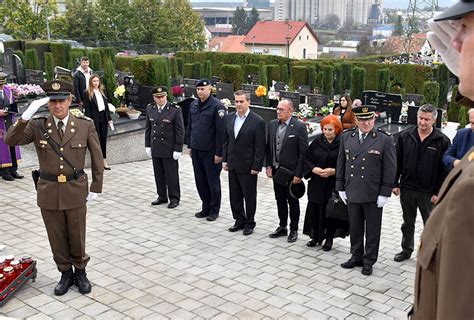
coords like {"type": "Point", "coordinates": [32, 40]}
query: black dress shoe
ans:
{"type": "Point", "coordinates": [352, 263]}
{"type": "Point", "coordinates": [247, 232]}
{"type": "Point", "coordinates": [399, 257]}
{"type": "Point", "coordinates": [311, 243]}
{"type": "Point", "coordinates": [158, 201]}
{"type": "Point", "coordinates": [201, 214]}
{"type": "Point", "coordinates": [16, 175]}
{"type": "Point", "coordinates": [8, 177]}
{"type": "Point", "coordinates": [327, 244]}
{"type": "Point", "coordinates": [107, 168]}
{"type": "Point", "coordinates": [67, 280]}
{"type": "Point", "coordinates": [211, 217]}
{"type": "Point", "coordinates": [279, 232]}
{"type": "Point", "coordinates": [173, 204]}
{"type": "Point", "coordinates": [235, 228]}
{"type": "Point", "coordinates": [81, 281]}
{"type": "Point", "coordinates": [293, 236]}
{"type": "Point", "coordinates": [367, 270]}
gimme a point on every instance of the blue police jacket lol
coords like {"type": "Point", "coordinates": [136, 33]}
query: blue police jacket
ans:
{"type": "Point", "coordinates": [206, 125]}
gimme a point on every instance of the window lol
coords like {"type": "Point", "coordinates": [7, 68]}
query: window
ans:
{"type": "Point", "coordinates": [257, 50]}
{"type": "Point", "coordinates": [299, 38]}
{"type": "Point", "coordinates": [275, 51]}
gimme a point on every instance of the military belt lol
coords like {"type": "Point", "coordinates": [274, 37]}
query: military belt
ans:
{"type": "Point", "coordinates": [61, 178]}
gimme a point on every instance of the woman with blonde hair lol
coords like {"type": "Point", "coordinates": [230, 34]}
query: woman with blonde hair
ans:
{"type": "Point", "coordinates": [96, 107]}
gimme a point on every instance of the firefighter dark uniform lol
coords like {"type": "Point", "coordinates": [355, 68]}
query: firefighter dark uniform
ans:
{"type": "Point", "coordinates": [366, 167]}
{"type": "Point", "coordinates": [206, 127]}
{"type": "Point", "coordinates": [164, 134]}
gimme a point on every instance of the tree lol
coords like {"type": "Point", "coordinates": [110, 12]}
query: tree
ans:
{"type": "Point", "coordinates": [146, 20]}
{"type": "Point", "coordinates": [330, 22]}
{"type": "Point", "coordinates": [239, 21]}
{"type": "Point", "coordinates": [399, 30]}
{"type": "Point", "coordinates": [25, 21]}
{"type": "Point", "coordinates": [252, 19]}
{"type": "Point", "coordinates": [364, 48]}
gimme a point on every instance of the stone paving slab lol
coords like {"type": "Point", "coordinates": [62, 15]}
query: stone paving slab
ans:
{"type": "Point", "coordinates": [150, 262]}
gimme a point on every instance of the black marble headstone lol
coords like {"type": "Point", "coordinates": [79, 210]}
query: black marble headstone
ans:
{"type": "Point", "coordinates": [293, 96]}
{"type": "Point", "coordinates": [250, 88]}
{"type": "Point", "coordinates": [225, 90]}
{"type": "Point", "coordinates": [389, 103]}
{"type": "Point", "coordinates": [317, 101]}
{"type": "Point", "coordinates": [253, 79]}
{"type": "Point", "coordinates": [7, 63]}
{"type": "Point", "coordinates": [190, 87]}
{"type": "Point", "coordinates": [34, 76]}
{"type": "Point", "coordinates": [280, 86]}
{"type": "Point", "coordinates": [303, 89]}
{"type": "Point", "coordinates": [416, 98]}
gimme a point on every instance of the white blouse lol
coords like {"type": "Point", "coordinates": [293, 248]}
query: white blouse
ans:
{"type": "Point", "coordinates": [100, 100]}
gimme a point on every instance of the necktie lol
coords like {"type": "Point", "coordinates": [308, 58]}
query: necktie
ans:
{"type": "Point", "coordinates": [1, 94]}
{"type": "Point", "coordinates": [361, 138]}
{"type": "Point", "coordinates": [60, 129]}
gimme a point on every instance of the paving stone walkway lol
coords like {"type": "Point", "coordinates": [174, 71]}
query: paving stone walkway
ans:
{"type": "Point", "coordinates": [150, 262]}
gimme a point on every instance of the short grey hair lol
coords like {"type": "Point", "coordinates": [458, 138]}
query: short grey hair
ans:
{"type": "Point", "coordinates": [470, 111]}
{"type": "Point", "coordinates": [290, 103]}
{"type": "Point", "coordinates": [428, 108]}
{"type": "Point", "coordinates": [242, 93]}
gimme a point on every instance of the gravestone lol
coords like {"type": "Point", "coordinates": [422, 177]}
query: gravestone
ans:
{"type": "Point", "coordinates": [253, 79]}
{"type": "Point", "coordinates": [293, 96]}
{"type": "Point", "coordinates": [7, 63]}
{"type": "Point", "coordinates": [225, 90]}
{"type": "Point", "coordinates": [190, 87]}
{"type": "Point", "coordinates": [317, 101]}
{"type": "Point", "coordinates": [132, 91]}
{"type": "Point", "coordinates": [416, 98]}
{"type": "Point", "coordinates": [389, 103]}
{"type": "Point", "coordinates": [215, 80]}
{"type": "Point", "coordinates": [34, 76]}
{"type": "Point", "coordinates": [61, 73]}
{"type": "Point", "coordinates": [303, 89]}
{"type": "Point", "coordinates": [250, 88]}
{"type": "Point", "coordinates": [280, 86]}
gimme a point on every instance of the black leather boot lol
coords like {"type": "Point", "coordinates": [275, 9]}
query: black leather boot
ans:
{"type": "Point", "coordinates": [67, 280]}
{"type": "Point", "coordinates": [81, 281]}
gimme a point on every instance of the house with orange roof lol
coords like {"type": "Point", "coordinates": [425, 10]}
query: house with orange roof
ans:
{"type": "Point", "coordinates": [227, 44]}
{"type": "Point", "coordinates": [293, 39]}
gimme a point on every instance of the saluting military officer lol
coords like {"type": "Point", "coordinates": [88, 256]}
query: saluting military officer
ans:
{"type": "Point", "coordinates": [366, 168]}
{"type": "Point", "coordinates": [164, 138]}
{"type": "Point", "coordinates": [63, 184]}
{"type": "Point", "coordinates": [206, 128]}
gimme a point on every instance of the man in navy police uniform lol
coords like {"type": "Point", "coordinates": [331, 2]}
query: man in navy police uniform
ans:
{"type": "Point", "coordinates": [205, 134]}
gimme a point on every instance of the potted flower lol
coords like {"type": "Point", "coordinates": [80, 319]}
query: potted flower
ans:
{"type": "Point", "coordinates": [261, 91]}
{"type": "Point", "coordinates": [133, 113]}
{"type": "Point", "coordinates": [119, 94]}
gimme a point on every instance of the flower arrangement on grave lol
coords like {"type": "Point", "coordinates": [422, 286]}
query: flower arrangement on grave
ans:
{"type": "Point", "coordinates": [305, 112]}
{"type": "Point", "coordinates": [226, 102]}
{"type": "Point", "coordinates": [272, 94]}
{"type": "Point", "coordinates": [119, 93]}
{"type": "Point", "coordinates": [261, 91]}
{"type": "Point", "coordinates": [324, 111]}
{"type": "Point", "coordinates": [26, 91]}
{"type": "Point", "coordinates": [177, 91]}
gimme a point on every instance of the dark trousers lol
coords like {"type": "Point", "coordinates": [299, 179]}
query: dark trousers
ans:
{"type": "Point", "coordinates": [284, 200]}
{"type": "Point", "coordinates": [208, 181]}
{"type": "Point", "coordinates": [410, 201]}
{"type": "Point", "coordinates": [67, 237]}
{"type": "Point", "coordinates": [167, 178]}
{"type": "Point", "coordinates": [243, 187]}
{"type": "Point", "coordinates": [102, 131]}
{"type": "Point", "coordinates": [14, 167]}
{"type": "Point", "coordinates": [365, 216]}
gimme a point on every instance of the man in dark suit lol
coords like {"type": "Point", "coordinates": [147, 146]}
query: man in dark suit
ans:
{"type": "Point", "coordinates": [164, 138]}
{"type": "Point", "coordinates": [81, 80]}
{"type": "Point", "coordinates": [286, 146]}
{"type": "Point", "coordinates": [366, 168]}
{"type": "Point", "coordinates": [244, 152]}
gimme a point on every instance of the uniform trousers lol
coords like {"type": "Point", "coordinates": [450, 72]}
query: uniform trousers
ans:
{"type": "Point", "coordinates": [410, 201]}
{"type": "Point", "coordinates": [243, 187]}
{"type": "Point", "coordinates": [208, 181]}
{"type": "Point", "coordinates": [285, 200]}
{"type": "Point", "coordinates": [167, 178]}
{"type": "Point", "coordinates": [67, 237]}
{"type": "Point", "coordinates": [365, 217]}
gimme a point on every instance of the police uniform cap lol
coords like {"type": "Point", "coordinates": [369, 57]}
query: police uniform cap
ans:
{"type": "Point", "coordinates": [364, 112]}
{"type": "Point", "coordinates": [297, 190]}
{"type": "Point", "coordinates": [203, 82]}
{"type": "Point", "coordinates": [159, 91]}
{"type": "Point", "coordinates": [457, 11]}
{"type": "Point", "coordinates": [3, 77]}
{"type": "Point", "coordinates": [57, 89]}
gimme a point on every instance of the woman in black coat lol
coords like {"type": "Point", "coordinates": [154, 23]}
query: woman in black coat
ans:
{"type": "Point", "coordinates": [320, 168]}
{"type": "Point", "coordinates": [96, 107]}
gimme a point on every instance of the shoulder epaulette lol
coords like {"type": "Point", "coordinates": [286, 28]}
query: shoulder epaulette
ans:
{"type": "Point", "coordinates": [40, 116]}
{"type": "Point", "coordinates": [347, 129]}
{"type": "Point", "coordinates": [177, 106]}
{"type": "Point", "coordinates": [81, 116]}
{"type": "Point", "coordinates": [383, 131]}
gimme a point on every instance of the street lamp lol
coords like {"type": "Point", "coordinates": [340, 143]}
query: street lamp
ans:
{"type": "Point", "coordinates": [253, 43]}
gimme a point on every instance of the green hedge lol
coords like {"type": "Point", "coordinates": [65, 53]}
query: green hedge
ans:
{"type": "Point", "coordinates": [359, 76]}
{"type": "Point", "coordinates": [109, 79]}
{"type": "Point", "coordinates": [328, 81]}
{"type": "Point", "coordinates": [14, 45]}
{"type": "Point", "coordinates": [150, 70]}
{"type": "Point", "coordinates": [75, 55]}
{"type": "Point", "coordinates": [106, 52]}
{"type": "Point", "coordinates": [346, 77]}
{"type": "Point", "coordinates": [299, 75]}
{"type": "Point", "coordinates": [273, 73]}
{"type": "Point", "coordinates": [250, 69]}
{"type": "Point", "coordinates": [263, 74]}
{"type": "Point", "coordinates": [232, 73]}
{"type": "Point", "coordinates": [313, 77]}
{"type": "Point", "coordinates": [383, 80]}
{"type": "Point", "coordinates": [20, 55]}
{"type": "Point", "coordinates": [31, 60]}
{"type": "Point", "coordinates": [123, 63]}
{"type": "Point", "coordinates": [48, 65]}
{"type": "Point", "coordinates": [41, 48]}
{"type": "Point", "coordinates": [284, 72]}
{"type": "Point", "coordinates": [60, 53]}
{"type": "Point", "coordinates": [431, 93]}
{"type": "Point", "coordinates": [453, 108]}
{"type": "Point", "coordinates": [338, 79]}
{"type": "Point", "coordinates": [174, 71]}
{"type": "Point", "coordinates": [95, 60]}
{"type": "Point", "coordinates": [462, 118]}
{"type": "Point", "coordinates": [442, 77]}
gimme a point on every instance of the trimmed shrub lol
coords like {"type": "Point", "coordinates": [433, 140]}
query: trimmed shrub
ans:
{"type": "Point", "coordinates": [337, 79]}
{"type": "Point", "coordinates": [60, 53]}
{"type": "Point", "coordinates": [123, 63]}
{"type": "Point", "coordinates": [197, 70]}
{"type": "Point", "coordinates": [462, 118]}
{"type": "Point", "coordinates": [162, 73]}
{"type": "Point", "coordinates": [383, 80]}
{"type": "Point", "coordinates": [179, 62]}
{"type": "Point", "coordinates": [263, 72]}
{"type": "Point", "coordinates": [146, 70]}
{"type": "Point", "coordinates": [31, 60]}
{"type": "Point", "coordinates": [328, 81]}
{"type": "Point", "coordinates": [442, 77]}
{"type": "Point", "coordinates": [188, 70]}
{"type": "Point", "coordinates": [14, 45]}
{"type": "Point", "coordinates": [206, 70]}
{"type": "Point", "coordinates": [174, 68]}
{"type": "Point", "coordinates": [431, 93]}
{"type": "Point", "coordinates": [250, 69]}
{"type": "Point", "coordinates": [313, 77]}
{"type": "Point", "coordinates": [41, 48]}
{"type": "Point", "coordinates": [75, 56]}
{"type": "Point", "coordinates": [284, 72]}
{"type": "Point", "coordinates": [232, 73]}
{"type": "Point", "coordinates": [273, 73]}
{"type": "Point", "coordinates": [106, 52]}
{"type": "Point", "coordinates": [453, 108]}
{"type": "Point", "coordinates": [109, 79]}
{"type": "Point", "coordinates": [358, 82]}
{"type": "Point", "coordinates": [299, 75]}
{"type": "Point", "coordinates": [346, 77]}
{"type": "Point", "coordinates": [95, 60]}
{"type": "Point", "coordinates": [48, 65]}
